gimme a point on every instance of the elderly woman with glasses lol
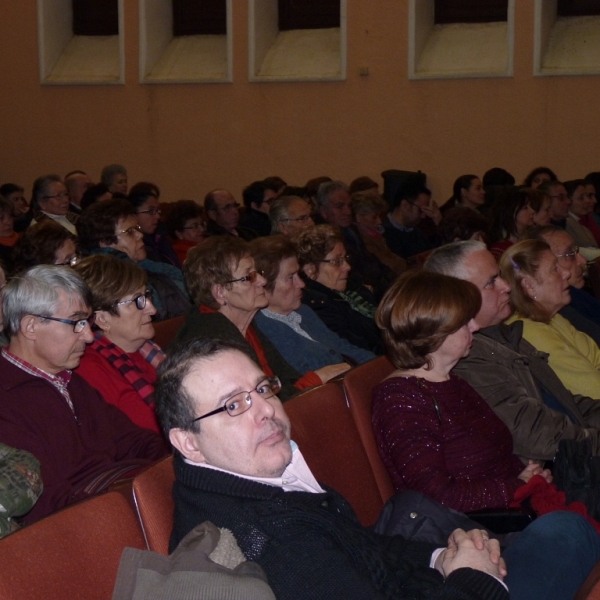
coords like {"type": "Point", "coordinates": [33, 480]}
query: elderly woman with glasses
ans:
{"type": "Point", "coordinates": [293, 328]}
{"type": "Point", "coordinates": [111, 228]}
{"type": "Point", "coordinates": [325, 267]}
{"type": "Point", "coordinates": [121, 362]}
{"type": "Point", "coordinates": [539, 284]}
{"type": "Point", "coordinates": [228, 292]}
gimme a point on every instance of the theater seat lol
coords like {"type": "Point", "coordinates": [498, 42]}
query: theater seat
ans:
{"type": "Point", "coordinates": [153, 497]}
{"type": "Point", "coordinates": [325, 433]}
{"type": "Point", "coordinates": [358, 385]}
{"type": "Point", "coordinates": [73, 553]}
{"type": "Point", "coordinates": [164, 331]}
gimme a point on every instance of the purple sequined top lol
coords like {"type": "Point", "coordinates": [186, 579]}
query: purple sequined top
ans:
{"type": "Point", "coordinates": [442, 439]}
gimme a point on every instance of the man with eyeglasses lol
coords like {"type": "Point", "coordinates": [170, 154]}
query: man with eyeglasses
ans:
{"type": "Point", "coordinates": [82, 442]}
{"type": "Point", "coordinates": [236, 466]}
{"type": "Point", "coordinates": [289, 215]}
{"type": "Point", "coordinates": [257, 201]}
{"type": "Point", "coordinates": [507, 371]}
{"type": "Point", "coordinates": [51, 201]}
{"type": "Point", "coordinates": [224, 215]}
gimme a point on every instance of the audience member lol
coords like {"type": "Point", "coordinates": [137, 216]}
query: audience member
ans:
{"type": "Point", "coordinates": [77, 183]}
{"type": "Point", "coordinates": [111, 227]}
{"type": "Point", "coordinates": [592, 186]}
{"type": "Point", "coordinates": [228, 291]}
{"type": "Point", "coordinates": [335, 208]}
{"type": "Point", "coordinates": [311, 189]}
{"type": "Point", "coordinates": [83, 444]}
{"type": "Point", "coordinates": [144, 198]}
{"type": "Point", "coordinates": [242, 472]}
{"type": "Point", "coordinates": [363, 184]}
{"type": "Point", "coordinates": [507, 371]}
{"type": "Point", "coordinates": [325, 267]}
{"type": "Point", "coordinates": [15, 194]}
{"type": "Point", "coordinates": [462, 223]}
{"type": "Point", "coordinates": [539, 289]}
{"type": "Point", "coordinates": [411, 203]}
{"type": "Point", "coordinates": [560, 202]}
{"type": "Point", "coordinates": [20, 486]}
{"type": "Point", "coordinates": [46, 243]}
{"type": "Point", "coordinates": [289, 215]}
{"type": "Point", "coordinates": [367, 208]}
{"type": "Point", "coordinates": [115, 178]}
{"type": "Point", "coordinates": [496, 176]}
{"type": "Point", "coordinates": [539, 176]}
{"type": "Point", "coordinates": [540, 202]}
{"type": "Point", "coordinates": [580, 223]}
{"type": "Point", "coordinates": [435, 434]}
{"type": "Point", "coordinates": [467, 191]}
{"type": "Point", "coordinates": [8, 236]}
{"type": "Point", "coordinates": [122, 360]}
{"type": "Point", "coordinates": [275, 183]}
{"type": "Point", "coordinates": [50, 200]}
{"type": "Point", "coordinates": [186, 226]}
{"type": "Point", "coordinates": [292, 327]}
{"type": "Point", "coordinates": [95, 193]}
{"type": "Point", "coordinates": [509, 219]}
{"type": "Point", "coordinates": [223, 214]}
{"type": "Point", "coordinates": [257, 200]}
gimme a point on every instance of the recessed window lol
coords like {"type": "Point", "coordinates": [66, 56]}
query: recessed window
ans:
{"type": "Point", "coordinates": [308, 14]}
{"type": "Point", "coordinates": [577, 8]}
{"type": "Point", "coordinates": [460, 38]}
{"type": "Point", "coordinates": [470, 11]}
{"type": "Point", "coordinates": [185, 41]}
{"type": "Point", "coordinates": [81, 41]}
{"type": "Point", "coordinates": [95, 17]}
{"type": "Point", "coordinates": [199, 17]}
{"type": "Point", "coordinates": [297, 40]}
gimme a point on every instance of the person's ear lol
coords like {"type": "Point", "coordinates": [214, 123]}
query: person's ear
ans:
{"type": "Point", "coordinates": [187, 444]}
{"type": "Point", "coordinates": [310, 269]}
{"type": "Point", "coordinates": [103, 320]}
{"type": "Point", "coordinates": [529, 286]}
{"type": "Point", "coordinates": [219, 293]}
{"type": "Point", "coordinates": [323, 212]}
{"type": "Point", "coordinates": [28, 327]}
{"type": "Point", "coordinates": [178, 234]}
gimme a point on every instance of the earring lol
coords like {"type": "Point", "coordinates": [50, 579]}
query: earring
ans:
{"type": "Point", "coordinates": [224, 302]}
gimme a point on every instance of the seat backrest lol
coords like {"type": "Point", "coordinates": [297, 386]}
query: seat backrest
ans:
{"type": "Point", "coordinates": [358, 386]}
{"type": "Point", "coordinates": [164, 331]}
{"type": "Point", "coordinates": [153, 497]}
{"type": "Point", "coordinates": [325, 433]}
{"type": "Point", "coordinates": [73, 553]}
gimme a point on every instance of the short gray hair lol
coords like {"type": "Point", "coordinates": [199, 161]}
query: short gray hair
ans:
{"type": "Point", "coordinates": [41, 186]}
{"type": "Point", "coordinates": [278, 210]}
{"type": "Point", "coordinates": [35, 292]}
{"type": "Point", "coordinates": [448, 259]}
{"type": "Point", "coordinates": [110, 171]}
{"type": "Point", "coordinates": [327, 188]}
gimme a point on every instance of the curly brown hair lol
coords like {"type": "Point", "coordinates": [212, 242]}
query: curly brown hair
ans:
{"type": "Point", "coordinates": [98, 223]}
{"type": "Point", "coordinates": [315, 243]}
{"type": "Point", "coordinates": [268, 252]}
{"type": "Point", "coordinates": [420, 311]}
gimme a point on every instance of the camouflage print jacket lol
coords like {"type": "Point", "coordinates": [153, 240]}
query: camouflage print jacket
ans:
{"type": "Point", "coordinates": [20, 485]}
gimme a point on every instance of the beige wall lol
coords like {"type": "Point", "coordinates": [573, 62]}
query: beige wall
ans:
{"type": "Point", "coordinates": [191, 138]}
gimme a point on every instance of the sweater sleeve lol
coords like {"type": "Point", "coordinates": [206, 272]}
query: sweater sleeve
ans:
{"type": "Point", "coordinates": [574, 356]}
{"type": "Point", "coordinates": [415, 451]}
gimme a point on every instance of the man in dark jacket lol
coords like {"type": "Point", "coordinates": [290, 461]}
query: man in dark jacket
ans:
{"type": "Point", "coordinates": [82, 442]}
{"type": "Point", "coordinates": [236, 466]}
{"type": "Point", "coordinates": [507, 371]}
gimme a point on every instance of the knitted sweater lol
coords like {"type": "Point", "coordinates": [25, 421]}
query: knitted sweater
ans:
{"type": "Point", "coordinates": [311, 546]}
{"type": "Point", "coordinates": [442, 439]}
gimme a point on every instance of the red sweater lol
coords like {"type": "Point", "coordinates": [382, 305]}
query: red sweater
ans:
{"type": "Point", "coordinates": [116, 390]}
{"type": "Point", "coordinates": [460, 454]}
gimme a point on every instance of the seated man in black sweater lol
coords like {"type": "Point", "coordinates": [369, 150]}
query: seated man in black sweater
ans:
{"type": "Point", "coordinates": [235, 466]}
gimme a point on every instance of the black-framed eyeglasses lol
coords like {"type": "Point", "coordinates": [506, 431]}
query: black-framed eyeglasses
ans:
{"type": "Point", "coordinates": [251, 277]}
{"type": "Point", "coordinates": [130, 231]}
{"type": "Point", "coordinates": [60, 196]}
{"type": "Point", "coordinates": [151, 211]}
{"type": "Point", "coordinates": [302, 219]}
{"type": "Point", "coordinates": [242, 401]}
{"type": "Point", "coordinates": [71, 262]}
{"type": "Point", "coordinates": [338, 261]}
{"type": "Point", "coordinates": [571, 255]}
{"type": "Point", "coordinates": [140, 300]}
{"type": "Point", "coordinates": [78, 326]}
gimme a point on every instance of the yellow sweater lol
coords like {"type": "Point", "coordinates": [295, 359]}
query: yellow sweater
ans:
{"type": "Point", "coordinates": [573, 355]}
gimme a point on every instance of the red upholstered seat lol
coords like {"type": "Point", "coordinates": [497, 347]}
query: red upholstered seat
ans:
{"type": "Point", "coordinates": [323, 428]}
{"type": "Point", "coordinates": [164, 331]}
{"type": "Point", "coordinates": [358, 385]}
{"type": "Point", "coordinates": [153, 496]}
{"type": "Point", "coordinates": [73, 553]}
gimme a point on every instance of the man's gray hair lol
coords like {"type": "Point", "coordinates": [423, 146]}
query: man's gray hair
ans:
{"type": "Point", "coordinates": [110, 172]}
{"type": "Point", "coordinates": [41, 186]}
{"type": "Point", "coordinates": [278, 210]}
{"type": "Point", "coordinates": [35, 292]}
{"type": "Point", "coordinates": [326, 189]}
{"type": "Point", "coordinates": [448, 259]}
